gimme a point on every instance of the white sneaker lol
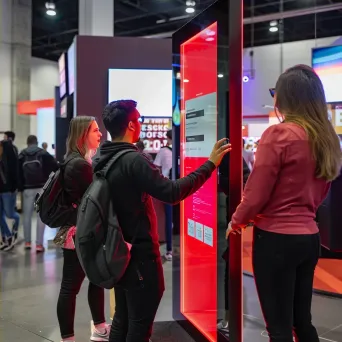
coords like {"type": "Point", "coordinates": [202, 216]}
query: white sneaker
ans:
{"type": "Point", "coordinates": [97, 336]}
{"type": "Point", "coordinates": [223, 325]}
{"type": "Point", "coordinates": [168, 256]}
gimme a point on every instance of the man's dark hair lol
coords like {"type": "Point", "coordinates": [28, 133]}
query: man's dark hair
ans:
{"type": "Point", "coordinates": [32, 140]}
{"type": "Point", "coordinates": [10, 135]}
{"type": "Point", "coordinates": [116, 116]}
{"type": "Point", "coordinates": [169, 134]}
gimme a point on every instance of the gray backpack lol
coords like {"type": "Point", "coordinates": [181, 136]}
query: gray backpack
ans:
{"type": "Point", "coordinates": [100, 246]}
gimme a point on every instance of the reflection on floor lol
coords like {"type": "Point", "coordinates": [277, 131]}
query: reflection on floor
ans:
{"type": "Point", "coordinates": [30, 285]}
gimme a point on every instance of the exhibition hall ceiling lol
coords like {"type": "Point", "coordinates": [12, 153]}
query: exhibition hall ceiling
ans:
{"type": "Point", "coordinates": [139, 18]}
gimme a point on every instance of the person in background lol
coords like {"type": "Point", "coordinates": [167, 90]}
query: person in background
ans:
{"type": "Point", "coordinates": [164, 162]}
{"type": "Point", "coordinates": [8, 194]}
{"type": "Point", "coordinates": [247, 155]}
{"type": "Point", "coordinates": [141, 147]}
{"type": "Point", "coordinates": [45, 146]}
{"type": "Point", "coordinates": [9, 135]}
{"type": "Point", "coordinates": [35, 166]}
{"type": "Point", "coordinates": [295, 163]}
{"type": "Point", "coordinates": [83, 139]}
{"type": "Point", "coordinates": [134, 181]}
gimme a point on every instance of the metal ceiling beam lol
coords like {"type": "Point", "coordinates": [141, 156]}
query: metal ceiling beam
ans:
{"type": "Point", "coordinates": [272, 16]}
{"type": "Point", "coordinates": [293, 13]}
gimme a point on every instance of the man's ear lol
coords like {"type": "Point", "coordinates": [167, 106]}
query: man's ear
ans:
{"type": "Point", "coordinates": [131, 126]}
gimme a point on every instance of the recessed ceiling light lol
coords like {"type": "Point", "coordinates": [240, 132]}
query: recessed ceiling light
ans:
{"type": "Point", "coordinates": [51, 12]}
{"type": "Point", "coordinates": [186, 81]}
{"type": "Point", "coordinates": [189, 10]}
{"type": "Point", "coordinates": [209, 39]}
{"type": "Point", "coordinates": [220, 75]}
{"type": "Point", "coordinates": [50, 8]}
{"type": "Point", "coordinates": [273, 29]}
{"type": "Point", "coordinates": [273, 23]}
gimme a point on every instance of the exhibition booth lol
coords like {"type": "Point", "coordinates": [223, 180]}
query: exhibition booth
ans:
{"type": "Point", "coordinates": [193, 84]}
{"type": "Point", "coordinates": [97, 70]}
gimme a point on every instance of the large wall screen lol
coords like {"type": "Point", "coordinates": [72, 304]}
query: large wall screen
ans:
{"type": "Point", "coordinates": [198, 212]}
{"type": "Point", "coordinates": [327, 62]}
{"type": "Point", "coordinates": [152, 89]}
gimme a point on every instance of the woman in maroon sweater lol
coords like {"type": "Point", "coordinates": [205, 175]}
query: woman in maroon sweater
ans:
{"type": "Point", "coordinates": [295, 163]}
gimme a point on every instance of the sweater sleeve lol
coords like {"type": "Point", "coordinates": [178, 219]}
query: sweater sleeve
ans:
{"type": "Point", "coordinates": [148, 179]}
{"type": "Point", "coordinates": [261, 182]}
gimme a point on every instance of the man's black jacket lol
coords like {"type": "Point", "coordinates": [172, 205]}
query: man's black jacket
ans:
{"type": "Point", "coordinates": [134, 180]}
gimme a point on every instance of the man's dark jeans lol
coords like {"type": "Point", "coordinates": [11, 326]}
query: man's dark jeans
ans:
{"type": "Point", "coordinates": [284, 268]}
{"type": "Point", "coordinates": [137, 298]}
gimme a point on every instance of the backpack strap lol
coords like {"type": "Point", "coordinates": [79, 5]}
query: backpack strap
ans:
{"type": "Point", "coordinates": [113, 160]}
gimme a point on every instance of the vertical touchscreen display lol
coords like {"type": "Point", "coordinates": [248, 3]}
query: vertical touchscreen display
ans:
{"type": "Point", "coordinates": [199, 212]}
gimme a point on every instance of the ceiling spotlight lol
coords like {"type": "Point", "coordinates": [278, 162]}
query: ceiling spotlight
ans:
{"type": "Point", "coordinates": [190, 6]}
{"type": "Point", "coordinates": [273, 23]}
{"type": "Point", "coordinates": [186, 81]}
{"type": "Point", "coordinates": [245, 79]}
{"type": "Point", "coordinates": [220, 75]}
{"type": "Point", "coordinates": [209, 39]}
{"type": "Point", "coordinates": [189, 10]}
{"type": "Point", "coordinates": [273, 29]}
{"type": "Point", "coordinates": [50, 9]}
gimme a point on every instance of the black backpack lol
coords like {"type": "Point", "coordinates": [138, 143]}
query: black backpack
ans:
{"type": "Point", "coordinates": [100, 246]}
{"type": "Point", "coordinates": [52, 203]}
{"type": "Point", "coordinates": [33, 170]}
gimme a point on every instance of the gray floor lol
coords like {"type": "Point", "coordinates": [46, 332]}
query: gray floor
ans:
{"type": "Point", "coordinates": [30, 285]}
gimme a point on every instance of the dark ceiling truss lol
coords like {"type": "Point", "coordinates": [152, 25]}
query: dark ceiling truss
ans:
{"type": "Point", "coordinates": [52, 36]}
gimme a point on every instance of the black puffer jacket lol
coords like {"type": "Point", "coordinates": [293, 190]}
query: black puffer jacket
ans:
{"type": "Point", "coordinates": [8, 168]}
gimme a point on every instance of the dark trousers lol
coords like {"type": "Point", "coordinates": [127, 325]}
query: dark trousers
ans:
{"type": "Point", "coordinates": [168, 226]}
{"type": "Point", "coordinates": [72, 280]}
{"type": "Point", "coordinates": [284, 268]}
{"type": "Point", "coordinates": [137, 298]}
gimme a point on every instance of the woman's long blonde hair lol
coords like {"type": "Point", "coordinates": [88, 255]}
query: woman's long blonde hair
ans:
{"type": "Point", "coordinates": [301, 99]}
{"type": "Point", "coordinates": [78, 131]}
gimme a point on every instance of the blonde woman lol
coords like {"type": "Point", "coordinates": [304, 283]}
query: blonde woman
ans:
{"type": "Point", "coordinates": [83, 140]}
{"type": "Point", "coordinates": [294, 165]}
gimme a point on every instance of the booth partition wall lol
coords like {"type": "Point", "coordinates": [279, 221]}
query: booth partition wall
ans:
{"type": "Point", "coordinates": [203, 112]}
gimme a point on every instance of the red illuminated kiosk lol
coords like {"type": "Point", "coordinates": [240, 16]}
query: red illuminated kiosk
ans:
{"type": "Point", "coordinates": [207, 106]}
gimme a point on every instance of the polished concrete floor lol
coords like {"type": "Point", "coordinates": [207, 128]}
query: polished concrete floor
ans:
{"type": "Point", "coordinates": [30, 286]}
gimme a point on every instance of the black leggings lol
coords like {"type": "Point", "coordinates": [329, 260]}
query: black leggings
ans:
{"type": "Point", "coordinates": [72, 280]}
{"type": "Point", "coordinates": [284, 268]}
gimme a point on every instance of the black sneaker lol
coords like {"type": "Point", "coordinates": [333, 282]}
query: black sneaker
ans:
{"type": "Point", "coordinates": [10, 244]}
{"type": "Point", "coordinates": [3, 245]}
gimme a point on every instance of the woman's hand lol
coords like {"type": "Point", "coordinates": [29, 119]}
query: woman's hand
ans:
{"type": "Point", "coordinates": [220, 149]}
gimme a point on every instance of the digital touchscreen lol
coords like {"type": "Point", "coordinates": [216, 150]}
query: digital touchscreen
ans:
{"type": "Point", "coordinates": [199, 212]}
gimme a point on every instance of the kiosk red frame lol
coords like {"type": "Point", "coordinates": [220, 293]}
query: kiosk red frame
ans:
{"type": "Point", "coordinates": [207, 63]}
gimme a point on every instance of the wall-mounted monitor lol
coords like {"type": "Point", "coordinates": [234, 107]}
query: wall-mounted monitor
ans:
{"type": "Point", "coordinates": [152, 89]}
{"type": "Point", "coordinates": [327, 62]}
{"type": "Point", "coordinates": [62, 68]}
{"type": "Point", "coordinates": [71, 68]}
